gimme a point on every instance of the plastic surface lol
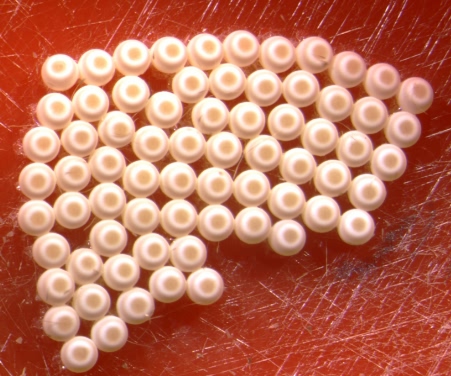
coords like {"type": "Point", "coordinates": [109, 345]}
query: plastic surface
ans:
{"type": "Point", "coordinates": [332, 309]}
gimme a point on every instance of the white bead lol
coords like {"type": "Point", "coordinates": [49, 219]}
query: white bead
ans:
{"type": "Point", "coordinates": [141, 216]}
{"type": "Point", "coordinates": [286, 201]}
{"type": "Point", "coordinates": [210, 116]}
{"type": "Point", "coordinates": [403, 129]}
{"type": "Point", "coordinates": [369, 115]}
{"type": "Point", "coordinates": [241, 48]}
{"type": "Point", "coordinates": [177, 180]}
{"type": "Point", "coordinates": [356, 227]}
{"type": "Point", "coordinates": [72, 210]}
{"type": "Point", "coordinates": [79, 354]}
{"type": "Point", "coordinates": [224, 150]}
{"type": "Point", "coordinates": [59, 72]}
{"type": "Point", "coordinates": [263, 88]}
{"type": "Point", "coordinates": [285, 122]}
{"type": "Point", "coordinates": [347, 69]}
{"type": "Point", "coordinates": [297, 166]}
{"type": "Point", "coordinates": [251, 188]}
{"type": "Point", "coordinates": [72, 173]}
{"type": "Point", "coordinates": [382, 81]}
{"type": "Point", "coordinates": [130, 94]}
{"type": "Point", "coordinates": [168, 55]}
{"type": "Point", "coordinates": [107, 164]}
{"type": "Point", "coordinates": [151, 251]}
{"type": "Point", "coordinates": [41, 144]}
{"type": "Point", "coordinates": [227, 82]}
{"type": "Point", "coordinates": [214, 185]}
{"type": "Point", "coordinates": [187, 145]}
{"type": "Point", "coordinates": [277, 54]}
{"type": "Point", "coordinates": [205, 51]}
{"type": "Point", "coordinates": [108, 238]}
{"type": "Point", "coordinates": [91, 301]}
{"type": "Point", "coordinates": [109, 334]}
{"type": "Point", "coordinates": [314, 54]}
{"type": "Point", "coordinates": [334, 103]}
{"type": "Point", "coordinates": [90, 103]}
{"type": "Point", "coordinates": [205, 286]}
{"type": "Point", "coordinates": [96, 67]}
{"type": "Point", "coordinates": [263, 153]}
{"type": "Point", "coordinates": [300, 88]}
{"type": "Point", "coordinates": [354, 148]}
{"type": "Point", "coordinates": [85, 266]}
{"type": "Point", "coordinates": [55, 286]}
{"type": "Point", "coordinates": [216, 223]}
{"type": "Point", "coordinates": [135, 306]}
{"type": "Point", "coordinates": [164, 109]}
{"type": "Point", "coordinates": [319, 137]}
{"type": "Point", "coordinates": [167, 284]}
{"type": "Point", "coordinates": [247, 120]}
{"type": "Point", "coordinates": [388, 162]}
{"type": "Point", "coordinates": [141, 179]}
{"type": "Point", "coordinates": [178, 218]}
{"type": "Point", "coordinates": [54, 111]}
{"type": "Point", "coordinates": [415, 95]}
{"type": "Point", "coordinates": [37, 181]}
{"type": "Point", "coordinates": [367, 192]}
{"type": "Point", "coordinates": [61, 323]}
{"type": "Point", "coordinates": [116, 129]}
{"type": "Point", "coordinates": [50, 250]}
{"type": "Point", "coordinates": [252, 225]}
{"type": "Point", "coordinates": [131, 57]}
{"type": "Point", "coordinates": [36, 217]}
{"type": "Point", "coordinates": [332, 178]}
{"type": "Point", "coordinates": [121, 272]}
{"type": "Point", "coordinates": [107, 200]}
{"type": "Point", "coordinates": [188, 253]}
{"type": "Point", "coordinates": [190, 85]}
{"type": "Point", "coordinates": [287, 237]}
{"type": "Point", "coordinates": [321, 214]}
{"type": "Point", "coordinates": [79, 138]}
{"type": "Point", "coordinates": [150, 143]}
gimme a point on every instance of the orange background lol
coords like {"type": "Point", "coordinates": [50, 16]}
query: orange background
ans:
{"type": "Point", "coordinates": [379, 309]}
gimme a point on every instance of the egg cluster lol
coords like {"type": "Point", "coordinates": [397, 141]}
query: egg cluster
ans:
{"type": "Point", "coordinates": [92, 131]}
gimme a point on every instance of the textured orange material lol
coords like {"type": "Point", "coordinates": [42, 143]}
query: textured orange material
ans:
{"type": "Point", "coordinates": [378, 309]}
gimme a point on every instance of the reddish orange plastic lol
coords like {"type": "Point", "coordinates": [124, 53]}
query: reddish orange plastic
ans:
{"type": "Point", "coordinates": [378, 309]}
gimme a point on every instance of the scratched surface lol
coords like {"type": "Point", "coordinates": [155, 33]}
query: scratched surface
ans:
{"type": "Point", "coordinates": [379, 309]}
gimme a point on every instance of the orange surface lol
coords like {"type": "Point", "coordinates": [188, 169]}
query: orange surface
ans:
{"type": "Point", "coordinates": [378, 309]}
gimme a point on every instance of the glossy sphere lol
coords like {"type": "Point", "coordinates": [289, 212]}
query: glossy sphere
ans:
{"type": "Point", "coordinates": [252, 225]}
{"type": "Point", "coordinates": [79, 354]}
{"type": "Point", "coordinates": [59, 72]}
{"type": "Point", "coordinates": [287, 237]}
{"type": "Point", "coordinates": [109, 333]}
{"type": "Point", "coordinates": [37, 181]}
{"type": "Point", "coordinates": [241, 48]}
{"type": "Point", "coordinates": [314, 54]}
{"type": "Point", "coordinates": [321, 214]}
{"type": "Point", "coordinates": [205, 286]}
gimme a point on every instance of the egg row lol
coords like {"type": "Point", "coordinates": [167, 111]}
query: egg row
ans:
{"type": "Point", "coordinates": [222, 150]}
{"type": "Point", "coordinates": [121, 273]}
{"type": "Point", "coordinates": [240, 48]}
{"type": "Point", "coordinates": [179, 217]}
{"type": "Point", "coordinates": [246, 120]}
